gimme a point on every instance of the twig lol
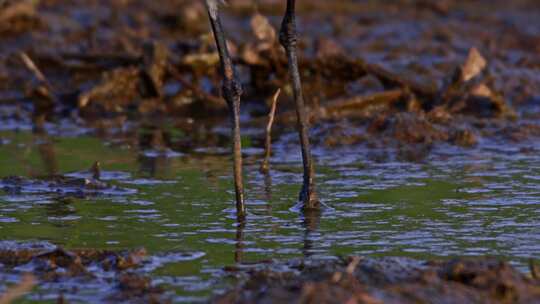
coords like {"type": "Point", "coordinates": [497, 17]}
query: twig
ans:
{"type": "Point", "coordinates": [44, 87]}
{"type": "Point", "coordinates": [350, 106]}
{"type": "Point", "coordinates": [352, 265]}
{"type": "Point", "coordinates": [391, 80]}
{"type": "Point", "coordinates": [24, 286]}
{"type": "Point", "coordinates": [119, 58]}
{"type": "Point", "coordinates": [349, 270]}
{"type": "Point", "coordinates": [357, 104]}
{"type": "Point", "coordinates": [265, 166]}
{"type": "Point", "coordinates": [30, 65]}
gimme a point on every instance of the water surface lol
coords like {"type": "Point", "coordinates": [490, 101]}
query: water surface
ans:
{"type": "Point", "coordinates": [473, 202]}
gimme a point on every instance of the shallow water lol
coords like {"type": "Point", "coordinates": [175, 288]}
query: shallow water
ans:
{"type": "Point", "coordinates": [179, 204]}
{"type": "Point", "coordinates": [480, 201]}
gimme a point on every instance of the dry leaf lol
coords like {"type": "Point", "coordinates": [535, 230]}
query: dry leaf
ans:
{"type": "Point", "coordinates": [474, 65]}
{"type": "Point", "coordinates": [482, 90]}
{"type": "Point", "coordinates": [262, 28]}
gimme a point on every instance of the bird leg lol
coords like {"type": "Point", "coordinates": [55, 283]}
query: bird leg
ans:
{"type": "Point", "coordinates": [231, 91]}
{"type": "Point", "coordinates": [288, 40]}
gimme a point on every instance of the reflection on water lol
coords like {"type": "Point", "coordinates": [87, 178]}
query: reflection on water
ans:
{"type": "Point", "coordinates": [482, 201]}
{"type": "Point", "coordinates": [311, 219]}
{"type": "Point", "coordinates": [239, 247]}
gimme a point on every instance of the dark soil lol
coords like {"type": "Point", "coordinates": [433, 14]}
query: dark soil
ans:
{"type": "Point", "coordinates": [406, 72]}
{"type": "Point", "coordinates": [389, 280]}
{"type": "Point", "coordinates": [109, 268]}
{"type": "Point", "coordinates": [350, 280]}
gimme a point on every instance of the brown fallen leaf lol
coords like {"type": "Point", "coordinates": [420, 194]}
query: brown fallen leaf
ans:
{"type": "Point", "coordinates": [15, 9]}
{"type": "Point", "coordinates": [473, 66]}
{"type": "Point", "coordinates": [496, 100]}
{"type": "Point", "coordinates": [262, 28]}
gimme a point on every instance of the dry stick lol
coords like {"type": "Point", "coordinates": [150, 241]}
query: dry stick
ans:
{"type": "Point", "coordinates": [352, 265]}
{"type": "Point", "coordinates": [265, 166]}
{"type": "Point", "coordinates": [349, 270]}
{"type": "Point", "coordinates": [92, 58]}
{"type": "Point", "coordinates": [349, 106]}
{"type": "Point", "coordinates": [32, 67]}
{"type": "Point", "coordinates": [29, 63]}
{"type": "Point", "coordinates": [25, 285]}
{"type": "Point", "coordinates": [357, 104]}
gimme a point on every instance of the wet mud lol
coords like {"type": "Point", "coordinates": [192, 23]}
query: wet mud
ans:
{"type": "Point", "coordinates": [62, 186]}
{"type": "Point", "coordinates": [388, 280]}
{"type": "Point", "coordinates": [453, 72]}
{"type": "Point", "coordinates": [60, 269]}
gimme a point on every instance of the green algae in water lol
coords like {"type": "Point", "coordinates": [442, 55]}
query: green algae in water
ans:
{"type": "Point", "coordinates": [481, 201]}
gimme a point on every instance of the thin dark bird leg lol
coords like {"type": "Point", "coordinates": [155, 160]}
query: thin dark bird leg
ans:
{"type": "Point", "coordinates": [287, 38]}
{"type": "Point", "coordinates": [231, 91]}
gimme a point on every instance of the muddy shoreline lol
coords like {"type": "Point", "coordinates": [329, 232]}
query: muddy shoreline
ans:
{"type": "Point", "coordinates": [338, 280]}
{"type": "Point", "coordinates": [407, 76]}
{"type": "Point", "coordinates": [468, 75]}
{"type": "Point", "coordinates": [388, 280]}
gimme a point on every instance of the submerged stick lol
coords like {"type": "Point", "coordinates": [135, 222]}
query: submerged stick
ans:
{"type": "Point", "coordinates": [265, 166]}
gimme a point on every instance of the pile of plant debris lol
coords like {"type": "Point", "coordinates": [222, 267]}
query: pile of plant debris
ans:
{"type": "Point", "coordinates": [404, 72]}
